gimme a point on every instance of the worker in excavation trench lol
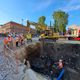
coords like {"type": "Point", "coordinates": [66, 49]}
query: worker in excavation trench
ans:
{"type": "Point", "coordinates": [59, 72]}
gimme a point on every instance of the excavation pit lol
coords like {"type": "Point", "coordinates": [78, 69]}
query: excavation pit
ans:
{"type": "Point", "coordinates": [43, 56]}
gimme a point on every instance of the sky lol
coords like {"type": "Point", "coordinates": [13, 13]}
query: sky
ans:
{"type": "Point", "coordinates": [16, 10]}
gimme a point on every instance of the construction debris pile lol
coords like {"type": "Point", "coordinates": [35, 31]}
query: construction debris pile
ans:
{"type": "Point", "coordinates": [9, 69]}
{"type": "Point", "coordinates": [42, 57]}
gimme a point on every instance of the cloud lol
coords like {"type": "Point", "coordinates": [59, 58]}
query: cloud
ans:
{"type": "Point", "coordinates": [72, 8]}
{"type": "Point", "coordinates": [4, 17]}
{"type": "Point", "coordinates": [72, 5]}
{"type": "Point", "coordinates": [42, 4]}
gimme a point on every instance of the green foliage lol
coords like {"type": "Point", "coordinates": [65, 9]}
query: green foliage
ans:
{"type": "Point", "coordinates": [28, 24]}
{"type": "Point", "coordinates": [55, 26]}
{"type": "Point", "coordinates": [41, 20]}
{"type": "Point", "coordinates": [60, 20]}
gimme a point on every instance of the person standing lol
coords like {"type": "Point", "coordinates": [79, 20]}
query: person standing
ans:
{"type": "Point", "coordinates": [22, 39]}
{"type": "Point", "coordinates": [17, 40]}
{"type": "Point", "coordinates": [5, 42]}
{"type": "Point", "coordinates": [9, 41]}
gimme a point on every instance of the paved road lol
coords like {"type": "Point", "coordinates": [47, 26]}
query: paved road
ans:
{"type": "Point", "coordinates": [35, 39]}
{"type": "Point", "coordinates": [68, 41]}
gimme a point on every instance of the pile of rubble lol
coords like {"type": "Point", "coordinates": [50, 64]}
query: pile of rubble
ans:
{"type": "Point", "coordinates": [9, 70]}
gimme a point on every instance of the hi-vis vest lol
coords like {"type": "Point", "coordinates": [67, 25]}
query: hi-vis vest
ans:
{"type": "Point", "coordinates": [28, 36]}
{"type": "Point", "coordinates": [5, 40]}
{"type": "Point", "coordinates": [41, 36]}
{"type": "Point", "coordinates": [9, 39]}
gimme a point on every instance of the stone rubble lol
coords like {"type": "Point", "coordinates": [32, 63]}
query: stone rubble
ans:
{"type": "Point", "coordinates": [8, 68]}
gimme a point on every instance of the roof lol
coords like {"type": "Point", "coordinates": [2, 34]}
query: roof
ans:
{"type": "Point", "coordinates": [74, 27]}
{"type": "Point", "coordinates": [12, 22]}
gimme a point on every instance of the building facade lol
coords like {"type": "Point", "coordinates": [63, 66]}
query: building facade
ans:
{"type": "Point", "coordinates": [75, 30]}
{"type": "Point", "coordinates": [13, 27]}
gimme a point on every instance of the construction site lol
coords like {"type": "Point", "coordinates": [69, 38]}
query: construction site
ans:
{"type": "Point", "coordinates": [40, 40]}
{"type": "Point", "coordinates": [41, 55]}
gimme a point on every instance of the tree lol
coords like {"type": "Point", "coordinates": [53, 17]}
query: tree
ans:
{"type": "Point", "coordinates": [60, 21]}
{"type": "Point", "coordinates": [55, 26]}
{"type": "Point", "coordinates": [41, 20]}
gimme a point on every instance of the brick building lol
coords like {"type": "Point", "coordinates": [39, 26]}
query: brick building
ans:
{"type": "Point", "coordinates": [11, 27]}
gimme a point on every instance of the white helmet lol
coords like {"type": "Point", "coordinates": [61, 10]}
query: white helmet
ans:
{"type": "Point", "coordinates": [60, 60]}
{"type": "Point", "coordinates": [9, 35]}
{"type": "Point", "coordinates": [17, 35]}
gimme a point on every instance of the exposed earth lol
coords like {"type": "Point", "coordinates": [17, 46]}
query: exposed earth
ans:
{"type": "Point", "coordinates": [43, 57]}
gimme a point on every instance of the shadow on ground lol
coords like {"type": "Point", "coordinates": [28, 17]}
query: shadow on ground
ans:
{"type": "Point", "coordinates": [42, 57]}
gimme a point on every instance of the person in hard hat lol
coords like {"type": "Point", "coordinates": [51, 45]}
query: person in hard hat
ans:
{"type": "Point", "coordinates": [9, 38]}
{"type": "Point", "coordinates": [5, 42]}
{"type": "Point", "coordinates": [12, 41]}
{"type": "Point", "coordinates": [60, 70]}
{"type": "Point", "coordinates": [17, 40]}
{"type": "Point", "coordinates": [57, 68]}
{"type": "Point", "coordinates": [29, 37]}
{"type": "Point", "coordinates": [22, 39]}
{"type": "Point", "coordinates": [9, 41]}
{"type": "Point", "coordinates": [60, 64]}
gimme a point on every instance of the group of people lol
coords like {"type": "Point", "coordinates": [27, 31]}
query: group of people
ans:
{"type": "Point", "coordinates": [16, 40]}
{"type": "Point", "coordinates": [13, 40]}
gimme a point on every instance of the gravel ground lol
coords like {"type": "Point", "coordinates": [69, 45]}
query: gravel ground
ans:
{"type": "Point", "coordinates": [9, 70]}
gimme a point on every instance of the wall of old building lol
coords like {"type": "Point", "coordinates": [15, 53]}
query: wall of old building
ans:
{"type": "Point", "coordinates": [74, 30]}
{"type": "Point", "coordinates": [13, 27]}
{"type": "Point", "coordinates": [5, 28]}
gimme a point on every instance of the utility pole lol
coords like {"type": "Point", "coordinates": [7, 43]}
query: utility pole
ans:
{"type": "Point", "coordinates": [22, 22]}
{"type": "Point", "coordinates": [22, 25]}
